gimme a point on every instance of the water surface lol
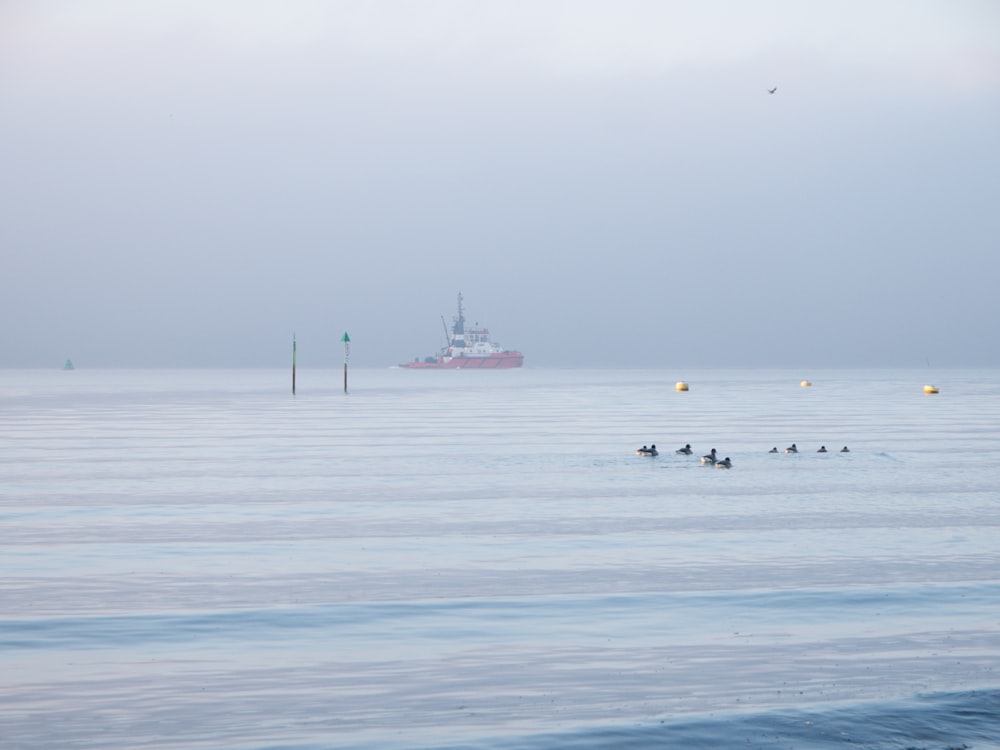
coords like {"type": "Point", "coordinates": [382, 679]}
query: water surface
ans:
{"type": "Point", "coordinates": [197, 559]}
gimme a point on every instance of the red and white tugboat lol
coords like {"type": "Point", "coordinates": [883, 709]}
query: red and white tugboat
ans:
{"type": "Point", "coordinates": [468, 348]}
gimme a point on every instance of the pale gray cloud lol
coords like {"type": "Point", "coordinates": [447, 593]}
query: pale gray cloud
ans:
{"type": "Point", "coordinates": [608, 183]}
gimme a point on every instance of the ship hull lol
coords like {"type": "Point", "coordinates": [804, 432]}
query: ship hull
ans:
{"type": "Point", "coordinates": [500, 361]}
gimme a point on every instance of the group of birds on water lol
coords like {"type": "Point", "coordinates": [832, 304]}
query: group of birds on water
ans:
{"type": "Point", "coordinates": [712, 459]}
{"type": "Point", "coordinates": [793, 449]}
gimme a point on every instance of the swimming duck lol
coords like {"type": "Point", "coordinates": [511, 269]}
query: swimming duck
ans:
{"type": "Point", "coordinates": [791, 449]}
{"type": "Point", "coordinates": [724, 463]}
{"type": "Point", "coordinates": [773, 450]}
{"type": "Point", "coordinates": [822, 449]}
{"type": "Point", "coordinates": [709, 458]}
{"type": "Point", "coordinates": [685, 451]}
{"type": "Point", "coordinates": [844, 450]}
{"type": "Point", "coordinates": [650, 451]}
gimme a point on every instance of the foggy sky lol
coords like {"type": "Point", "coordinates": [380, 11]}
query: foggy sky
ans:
{"type": "Point", "coordinates": [607, 183]}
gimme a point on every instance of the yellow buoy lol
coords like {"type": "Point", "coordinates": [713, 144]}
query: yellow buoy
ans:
{"type": "Point", "coordinates": [805, 384]}
{"type": "Point", "coordinates": [930, 389]}
{"type": "Point", "coordinates": [681, 386]}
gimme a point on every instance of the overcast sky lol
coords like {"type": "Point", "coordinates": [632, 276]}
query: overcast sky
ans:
{"type": "Point", "coordinates": [608, 183]}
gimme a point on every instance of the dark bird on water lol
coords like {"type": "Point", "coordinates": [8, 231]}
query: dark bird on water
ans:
{"type": "Point", "coordinates": [771, 91]}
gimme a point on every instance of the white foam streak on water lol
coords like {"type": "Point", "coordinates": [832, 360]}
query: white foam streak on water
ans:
{"type": "Point", "coordinates": [197, 559]}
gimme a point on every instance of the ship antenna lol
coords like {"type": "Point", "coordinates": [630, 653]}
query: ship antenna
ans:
{"type": "Point", "coordinates": [447, 337]}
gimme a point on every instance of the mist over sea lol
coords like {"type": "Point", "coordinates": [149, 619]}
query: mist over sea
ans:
{"type": "Point", "coordinates": [458, 559]}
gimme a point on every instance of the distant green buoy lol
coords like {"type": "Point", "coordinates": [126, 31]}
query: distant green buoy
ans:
{"type": "Point", "coordinates": [69, 365]}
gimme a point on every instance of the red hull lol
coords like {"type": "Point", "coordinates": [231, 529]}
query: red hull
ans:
{"type": "Point", "coordinates": [502, 361]}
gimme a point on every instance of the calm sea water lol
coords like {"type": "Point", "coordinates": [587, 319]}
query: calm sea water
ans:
{"type": "Point", "coordinates": [196, 559]}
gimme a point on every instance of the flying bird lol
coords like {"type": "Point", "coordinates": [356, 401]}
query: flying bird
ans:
{"type": "Point", "coordinates": [771, 91]}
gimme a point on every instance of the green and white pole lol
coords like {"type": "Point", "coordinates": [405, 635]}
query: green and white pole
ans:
{"type": "Point", "coordinates": [347, 353]}
{"type": "Point", "coordinates": [293, 364]}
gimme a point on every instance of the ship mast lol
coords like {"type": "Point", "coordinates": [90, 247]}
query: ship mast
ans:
{"type": "Point", "coordinates": [460, 320]}
{"type": "Point", "coordinates": [458, 335]}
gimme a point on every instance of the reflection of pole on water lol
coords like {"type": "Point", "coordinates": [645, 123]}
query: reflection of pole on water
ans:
{"type": "Point", "coordinates": [347, 353]}
{"type": "Point", "coordinates": [293, 364]}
